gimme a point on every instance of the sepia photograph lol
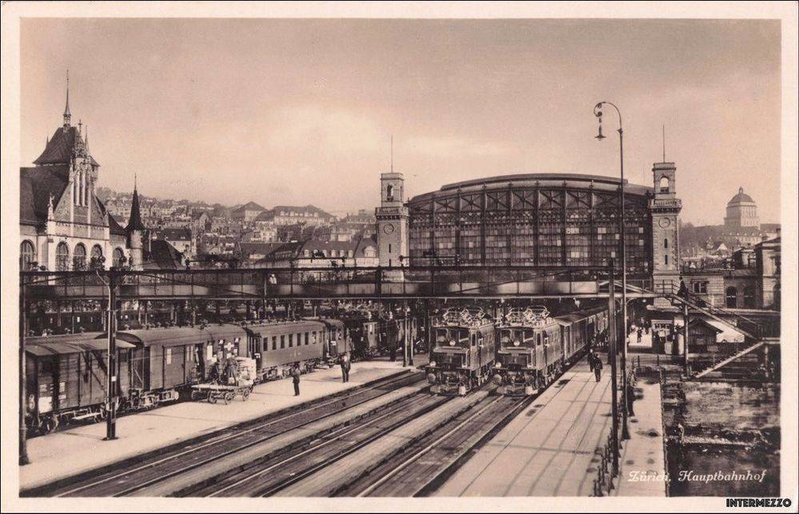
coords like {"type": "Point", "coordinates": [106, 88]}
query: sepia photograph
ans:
{"type": "Point", "coordinates": [442, 256]}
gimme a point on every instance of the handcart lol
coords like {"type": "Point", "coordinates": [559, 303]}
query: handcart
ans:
{"type": "Point", "coordinates": [216, 392]}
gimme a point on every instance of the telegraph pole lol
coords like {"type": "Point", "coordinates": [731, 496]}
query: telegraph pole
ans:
{"type": "Point", "coordinates": [23, 393]}
{"type": "Point", "coordinates": [111, 383]}
{"type": "Point", "coordinates": [613, 335]}
{"type": "Point", "coordinates": [408, 326]}
{"type": "Point", "coordinates": [404, 334]}
{"type": "Point", "coordinates": [685, 337]}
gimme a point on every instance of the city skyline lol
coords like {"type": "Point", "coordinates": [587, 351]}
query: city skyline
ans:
{"type": "Point", "coordinates": [278, 108]}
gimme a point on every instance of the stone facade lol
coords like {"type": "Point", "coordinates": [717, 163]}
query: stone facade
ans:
{"type": "Point", "coordinates": [392, 221]}
{"type": "Point", "coordinates": [63, 224]}
{"type": "Point", "coordinates": [665, 209]}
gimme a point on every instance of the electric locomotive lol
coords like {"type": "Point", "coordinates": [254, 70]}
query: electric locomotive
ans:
{"type": "Point", "coordinates": [529, 354]}
{"type": "Point", "coordinates": [462, 351]}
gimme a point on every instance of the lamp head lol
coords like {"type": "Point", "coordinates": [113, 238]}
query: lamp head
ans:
{"type": "Point", "coordinates": [598, 114]}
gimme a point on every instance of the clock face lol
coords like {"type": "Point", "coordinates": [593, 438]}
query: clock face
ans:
{"type": "Point", "coordinates": [664, 222]}
{"type": "Point", "coordinates": [388, 228]}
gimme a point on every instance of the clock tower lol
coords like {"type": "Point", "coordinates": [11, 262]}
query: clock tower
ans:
{"type": "Point", "coordinates": [665, 209]}
{"type": "Point", "coordinates": [392, 223]}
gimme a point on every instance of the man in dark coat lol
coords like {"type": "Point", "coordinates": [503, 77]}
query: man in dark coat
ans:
{"type": "Point", "coordinates": [591, 358]}
{"type": "Point", "coordinates": [345, 367]}
{"type": "Point", "coordinates": [630, 398]}
{"type": "Point", "coordinates": [598, 369]}
{"type": "Point", "coordinates": [295, 377]}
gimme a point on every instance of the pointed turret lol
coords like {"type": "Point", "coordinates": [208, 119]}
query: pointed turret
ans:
{"type": "Point", "coordinates": [67, 114]}
{"type": "Point", "coordinates": [135, 231]}
{"type": "Point", "coordinates": [135, 222]}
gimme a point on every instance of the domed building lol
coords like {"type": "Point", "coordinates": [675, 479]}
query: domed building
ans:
{"type": "Point", "coordinates": [742, 227]}
{"type": "Point", "coordinates": [741, 212]}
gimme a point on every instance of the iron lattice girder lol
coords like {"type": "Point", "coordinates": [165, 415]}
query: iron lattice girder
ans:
{"type": "Point", "coordinates": [315, 283]}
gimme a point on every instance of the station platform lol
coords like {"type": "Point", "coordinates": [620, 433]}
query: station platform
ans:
{"type": "Point", "coordinates": [551, 449]}
{"type": "Point", "coordinates": [82, 448]}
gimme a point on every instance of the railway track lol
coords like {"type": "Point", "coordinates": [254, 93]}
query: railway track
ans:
{"type": "Point", "coordinates": [417, 458]}
{"type": "Point", "coordinates": [144, 472]}
{"type": "Point", "coordinates": [421, 466]}
{"type": "Point", "coordinates": [270, 476]}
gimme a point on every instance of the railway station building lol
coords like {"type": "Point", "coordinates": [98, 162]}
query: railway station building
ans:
{"type": "Point", "coordinates": [535, 220]}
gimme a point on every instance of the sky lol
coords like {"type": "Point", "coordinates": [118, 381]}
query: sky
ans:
{"type": "Point", "coordinates": [298, 112]}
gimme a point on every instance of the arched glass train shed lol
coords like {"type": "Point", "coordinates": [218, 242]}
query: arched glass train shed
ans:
{"type": "Point", "coordinates": [546, 220]}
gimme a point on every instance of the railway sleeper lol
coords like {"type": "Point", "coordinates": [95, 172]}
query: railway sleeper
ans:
{"type": "Point", "coordinates": [300, 445]}
{"type": "Point", "coordinates": [397, 452]}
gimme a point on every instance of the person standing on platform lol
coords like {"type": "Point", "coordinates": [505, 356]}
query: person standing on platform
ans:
{"type": "Point", "coordinates": [345, 367]}
{"type": "Point", "coordinates": [630, 398]}
{"type": "Point", "coordinates": [598, 369]}
{"type": "Point", "coordinates": [591, 358]}
{"type": "Point", "coordinates": [295, 378]}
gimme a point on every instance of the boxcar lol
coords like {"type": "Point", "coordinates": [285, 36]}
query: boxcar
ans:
{"type": "Point", "coordinates": [163, 361]}
{"type": "Point", "coordinates": [66, 378]}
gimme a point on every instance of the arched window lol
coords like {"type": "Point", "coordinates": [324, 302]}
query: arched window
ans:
{"type": "Point", "coordinates": [26, 255]}
{"type": "Point", "coordinates": [97, 257]}
{"type": "Point", "coordinates": [62, 257]}
{"type": "Point", "coordinates": [749, 297]}
{"type": "Point", "coordinates": [664, 184]}
{"type": "Point", "coordinates": [731, 295]}
{"type": "Point", "coordinates": [390, 193]}
{"type": "Point", "coordinates": [79, 260]}
{"type": "Point", "coordinates": [119, 257]}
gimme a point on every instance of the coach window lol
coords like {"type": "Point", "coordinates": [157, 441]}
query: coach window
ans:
{"type": "Point", "coordinates": [274, 342]}
{"type": "Point", "coordinates": [291, 340]}
{"type": "Point", "coordinates": [307, 338]}
{"type": "Point", "coordinates": [282, 341]}
{"type": "Point", "coordinates": [168, 356]}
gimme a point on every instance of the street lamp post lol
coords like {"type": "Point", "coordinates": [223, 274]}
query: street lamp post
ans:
{"type": "Point", "coordinates": [623, 254]}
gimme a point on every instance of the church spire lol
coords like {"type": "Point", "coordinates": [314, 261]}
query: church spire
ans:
{"type": "Point", "coordinates": [67, 114]}
{"type": "Point", "coordinates": [135, 222]}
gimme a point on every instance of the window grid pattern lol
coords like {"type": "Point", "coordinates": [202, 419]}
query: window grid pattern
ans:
{"type": "Point", "coordinates": [530, 227]}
